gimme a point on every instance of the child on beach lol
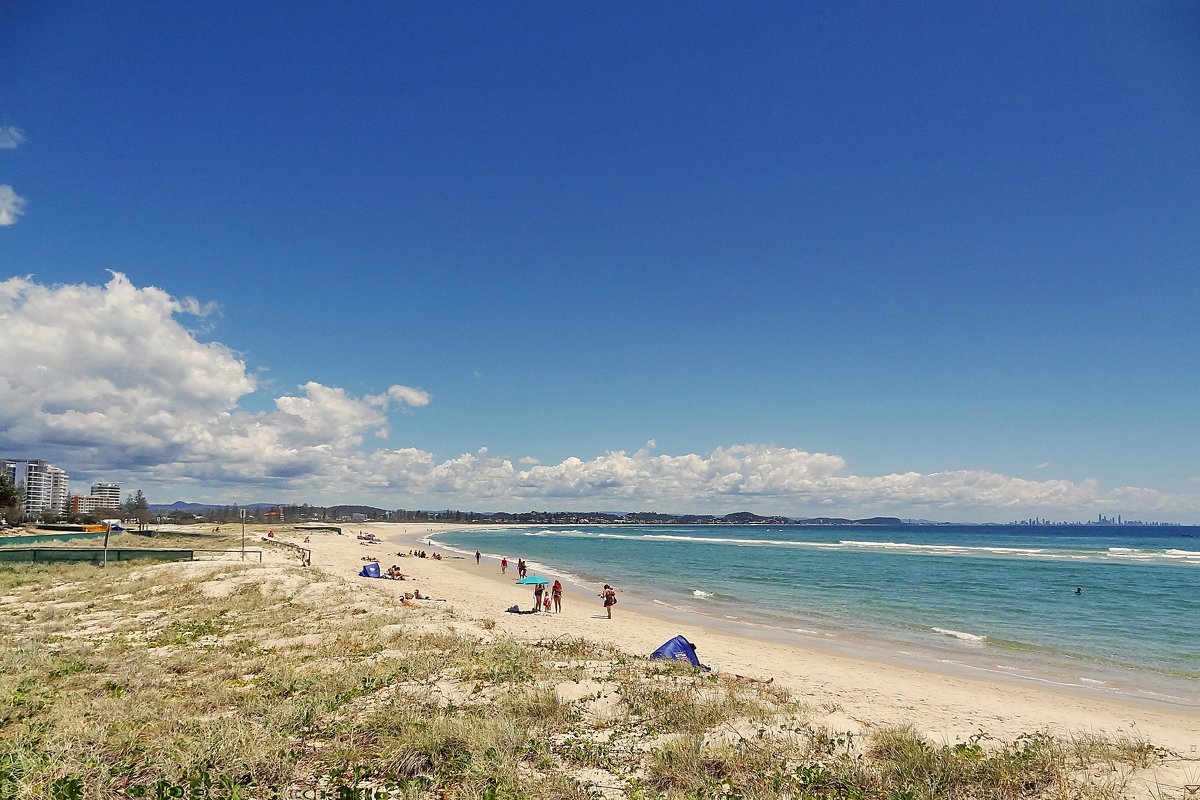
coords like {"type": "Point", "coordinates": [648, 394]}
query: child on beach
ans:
{"type": "Point", "coordinates": [546, 604]}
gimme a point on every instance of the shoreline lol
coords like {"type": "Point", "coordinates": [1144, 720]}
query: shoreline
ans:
{"type": "Point", "coordinates": [857, 692]}
{"type": "Point", "coordinates": [959, 654]}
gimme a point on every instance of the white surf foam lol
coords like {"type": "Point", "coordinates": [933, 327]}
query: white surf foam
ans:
{"type": "Point", "coordinates": [966, 637]}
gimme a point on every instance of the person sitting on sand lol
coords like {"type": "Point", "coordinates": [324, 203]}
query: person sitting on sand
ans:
{"type": "Point", "coordinates": [417, 595]}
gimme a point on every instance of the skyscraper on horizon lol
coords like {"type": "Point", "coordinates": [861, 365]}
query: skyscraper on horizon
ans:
{"type": "Point", "coordinates": [43, 486]}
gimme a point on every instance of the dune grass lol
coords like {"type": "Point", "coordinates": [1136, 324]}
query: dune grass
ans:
{"type": "Point", "coordinates": [117, 680]}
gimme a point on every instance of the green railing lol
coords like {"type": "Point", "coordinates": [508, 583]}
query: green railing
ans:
{"type": "Point", "coordinates": [38, 538]}
{"type": "Point", "coordinates": [97, 555]}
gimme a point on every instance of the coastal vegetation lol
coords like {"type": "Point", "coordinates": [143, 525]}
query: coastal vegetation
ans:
{"type": "Point", "coordinates": [216, 678]}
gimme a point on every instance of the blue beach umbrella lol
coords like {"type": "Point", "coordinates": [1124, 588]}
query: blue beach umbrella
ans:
{"type": "Point", "coordinates": [532, 579]}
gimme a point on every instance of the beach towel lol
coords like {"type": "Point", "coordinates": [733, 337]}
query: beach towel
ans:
{"type": "Point", "coordinates": [370, 570]}
{"type": "Point", "coordinates": [677, 649]}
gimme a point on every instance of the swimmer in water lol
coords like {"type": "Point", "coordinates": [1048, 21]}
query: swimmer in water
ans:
{"type": "Point", "coordinates": [1078, 590]}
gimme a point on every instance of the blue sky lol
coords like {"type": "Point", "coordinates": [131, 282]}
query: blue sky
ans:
{"type": "Point", "coordinates": [853, 258]}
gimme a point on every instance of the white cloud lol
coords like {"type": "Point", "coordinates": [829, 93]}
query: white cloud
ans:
{"type": "Point", "coordinates": [10, 137]}
{"type": "Point", "coordinates": [1043, 465]}
{"type": "Point", "coordinates": [407, 395]}
{"type": "Point", "coordinates": [12, 205]}
{"type": "Point", "coordinates": [107, 379]}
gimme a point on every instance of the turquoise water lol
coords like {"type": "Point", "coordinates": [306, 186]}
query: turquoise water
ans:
{"type": "Point", "coordinates": [984, 598]}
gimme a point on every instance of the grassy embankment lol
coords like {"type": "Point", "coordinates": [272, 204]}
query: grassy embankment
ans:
{"type": "Point", "coordinates": [136, 676]}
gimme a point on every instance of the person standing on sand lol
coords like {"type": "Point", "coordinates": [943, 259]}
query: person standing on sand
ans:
{"type": "Point", "coordinates": [477, 554]}
{"type": "Point", "coordinates": [610, 598]}
{"type": "Point", "coordinates": [503, 565]}
{"type": "Point", "coordinates": [538, 590]}
{"type": "Point", "coordinates": [522, 568]}
{"type": "Point", "coordinates": [556, 593]}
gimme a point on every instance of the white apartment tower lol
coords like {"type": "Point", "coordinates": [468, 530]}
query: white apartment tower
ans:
{"type": "Point", "coordinates": [108, 495]}
{"type": "Point", "coordinates": [43, 486]}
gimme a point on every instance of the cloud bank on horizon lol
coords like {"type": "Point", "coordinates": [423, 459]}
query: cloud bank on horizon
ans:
{"type": "Point", "coordinates": [108, 381]}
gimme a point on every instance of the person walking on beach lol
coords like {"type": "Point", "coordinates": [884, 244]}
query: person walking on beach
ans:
{"type": "Point", "coordinates": [556, 593]}
{"type": "Point", "coordinates": [610, 598]}
{"type": "Point", "coordinates": [503, 565]}
{"type": "Point", "coordinates": [522, 568]}
{"type": "Point", "coordinates": [477, 554]}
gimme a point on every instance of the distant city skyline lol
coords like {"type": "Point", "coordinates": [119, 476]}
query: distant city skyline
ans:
{"type": "Point", "coordinates": [807, 260]}
{"type": "Point", "coordinates": [46, 488]}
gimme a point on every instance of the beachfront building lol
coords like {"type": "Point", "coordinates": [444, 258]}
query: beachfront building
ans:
{"type": "Point", "coordinates": [43, 486]}
{"type": "Point", "coordinates": [83, 503]}
{"type": "Point", "coordinates": [107, 494]}
{"type": "Point", "coordinates": [104, 495]}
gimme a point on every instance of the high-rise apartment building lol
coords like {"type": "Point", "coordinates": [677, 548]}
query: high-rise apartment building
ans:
{"type": "Point", "coordinates": [108, 495]}
{"type": "Point", "coordinates": [43, 486]}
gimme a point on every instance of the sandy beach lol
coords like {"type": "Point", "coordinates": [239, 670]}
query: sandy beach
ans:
{"type": "Point", "coordinates": [855, 694]}
{"type": "Point", "coordinates": [291, 670]}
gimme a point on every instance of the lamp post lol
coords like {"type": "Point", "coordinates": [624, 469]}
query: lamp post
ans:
{"type": "Point", "coordinates": [243, 534]}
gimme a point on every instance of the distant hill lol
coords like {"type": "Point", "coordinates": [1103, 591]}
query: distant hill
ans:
{"type": "Point", "coordinates": [196, 508]}
{"type": "Point", "coordinates": [202, 508]}
{"type": "Point", "coordinates": [844, 521]}
{"type": "Point", "coordinates": [179, 505]}
{"type": "Point", "coordinates": [548, 517]}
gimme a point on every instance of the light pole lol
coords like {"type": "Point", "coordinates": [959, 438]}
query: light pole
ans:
{"type": "Point", "coordinates": [243, 534]}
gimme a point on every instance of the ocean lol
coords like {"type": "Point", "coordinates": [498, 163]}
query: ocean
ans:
{"type": "Point", "coordinates": [976, 599]}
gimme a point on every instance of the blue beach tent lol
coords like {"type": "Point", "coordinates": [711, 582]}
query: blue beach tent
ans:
{"type": "Point", "coordinates": [678, 649]}
{"type": "Point", "coordinates": [370, 570]}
